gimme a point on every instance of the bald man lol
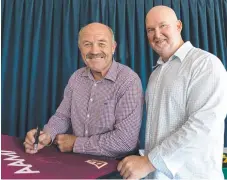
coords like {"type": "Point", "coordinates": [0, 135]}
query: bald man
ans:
{"type": "Point", "coordinates": [102, 103]}
{"type": "Point", "coordinates": [186, 102]}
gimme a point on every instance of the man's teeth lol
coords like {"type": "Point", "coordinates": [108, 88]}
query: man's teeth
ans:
{"type": "Point", "coordinates": [160, 41]}
{"type": "Point", "coordinates": [97, 57]}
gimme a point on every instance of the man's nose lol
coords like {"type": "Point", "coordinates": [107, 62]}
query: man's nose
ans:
{"type": "Point", "coordinates": [95, 49]}
{"type": "Point", "coordinates": [157, 33]}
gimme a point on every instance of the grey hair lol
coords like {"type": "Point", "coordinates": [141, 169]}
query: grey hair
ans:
{"type": "Point", "coordinates": [81, 30]}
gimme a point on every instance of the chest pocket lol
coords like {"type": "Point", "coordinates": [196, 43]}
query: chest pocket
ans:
{"type": "Point", "coordinates": [106, 118]}
{"type": "Point", "coordinates": [107, 115]}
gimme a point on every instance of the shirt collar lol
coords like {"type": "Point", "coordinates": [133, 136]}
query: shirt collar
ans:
{"type": "Point", "coordinates": [183, 50]}
{"type": "Point", "coordinates": [111, 74]}
{"type": "Point", "coordinates": [180, 53]}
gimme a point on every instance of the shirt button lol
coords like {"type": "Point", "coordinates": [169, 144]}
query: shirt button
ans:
{"type": "Point", "coordinates": [95, 84]}
{"type": "Point", "coordinates": [91, 99]}
{"type": "Point", "coordinates": [86, 132]}
{"type": "Point", "coordinates": [88, 115]}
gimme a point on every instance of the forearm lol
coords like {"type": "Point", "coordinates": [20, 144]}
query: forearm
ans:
{"type": "Point", "coordinates": [121, 140]}
{"type": "Point", "coordinates": [57, 124]}
{"type": "Point", "coordinates": [109, 144]}
{"type": "Point", "coordinates": [60, 121]}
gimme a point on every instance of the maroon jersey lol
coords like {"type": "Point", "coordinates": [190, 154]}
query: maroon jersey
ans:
{"type": "Point", "coordinates": [50, 163]}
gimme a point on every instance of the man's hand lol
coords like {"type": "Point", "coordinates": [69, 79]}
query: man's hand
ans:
{"type": "Point", "coordinates": [135, 167]}
{"type": "Point", "coordinates": [65, 142]}
{"type": "Point", "coordinates": [44, 139]}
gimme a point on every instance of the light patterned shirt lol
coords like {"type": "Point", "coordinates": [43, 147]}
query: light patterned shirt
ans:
{"type": "Point", "coordinates": [186, 102]}
{"type": "Point", "coordinates": [105, 115]}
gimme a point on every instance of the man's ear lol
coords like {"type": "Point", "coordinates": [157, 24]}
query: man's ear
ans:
{"type": "Point", "coordinates": [114, 47]}
{"type": "Point", "coordinates": [79, 46]}
{"type": "Point", "coordinates": [81, 54]}
{"type": "Point", "coordinates": [179, 25]}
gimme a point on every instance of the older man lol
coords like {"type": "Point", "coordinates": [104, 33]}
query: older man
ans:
{"type": "Point", "coordinates": [186, 102]}
{"type": "Point", "coordinates": [102, 103]}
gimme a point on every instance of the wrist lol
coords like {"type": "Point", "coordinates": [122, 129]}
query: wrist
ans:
{"type": "Point", "coordinates": [49, 140]}
{"type": "Point", "coordinates": [150, 165]}
{"type": "Point", "coordinates": [74, 142]}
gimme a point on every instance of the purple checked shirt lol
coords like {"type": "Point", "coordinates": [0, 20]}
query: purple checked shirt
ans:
{"type": "Point", "coordinates": [105, 115]}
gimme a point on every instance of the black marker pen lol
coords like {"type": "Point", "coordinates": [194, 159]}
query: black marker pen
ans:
{"type": "Point", "coordinates": [37, 138]}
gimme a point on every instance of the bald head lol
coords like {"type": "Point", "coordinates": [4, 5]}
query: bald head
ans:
{"type": "Point", "coordinates": [97, 46]}
{"type": "Point", "coordinates": [161, 11]}
{"type": "Point", "coordinates": [96, 28]}
{"type": "Point", "coordinates": [163, 31]}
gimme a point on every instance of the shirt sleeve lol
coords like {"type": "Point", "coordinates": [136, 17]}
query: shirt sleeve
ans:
{"type": "Point", "coordinates": [60, 121]}
{"type": "Point", "coordinates": [124, 137]}
{"type": "Point", "coordinates": [206, 111]}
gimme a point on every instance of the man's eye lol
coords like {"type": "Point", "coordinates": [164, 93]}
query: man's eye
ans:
{"type": "Point", "coordinates": [101, 44]}
{"type": "Point", "coordinates": [87, 44]}
{"type": "Point", "coordinates": [162, 26]}
{"type": "Point", "coordinates": [150, 30]}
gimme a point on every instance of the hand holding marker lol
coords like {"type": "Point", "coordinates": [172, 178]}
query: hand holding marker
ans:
{"type": "Point", "coordinates": [36, 138]}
